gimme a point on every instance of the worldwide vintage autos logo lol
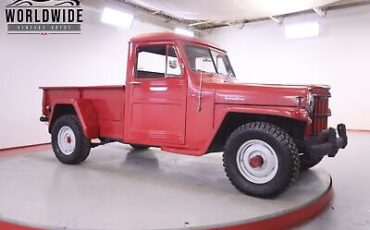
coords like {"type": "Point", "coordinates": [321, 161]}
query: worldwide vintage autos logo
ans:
{"type": "Point", "coordinates": [44, 17]}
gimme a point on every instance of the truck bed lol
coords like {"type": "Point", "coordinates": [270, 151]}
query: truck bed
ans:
{"type": "Point", "coordinates": [107, 101]}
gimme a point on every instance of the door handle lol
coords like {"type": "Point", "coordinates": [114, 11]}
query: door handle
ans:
{"type": "Point", "coordinates": [158, 88]}
{"type": "Point", "coordinates": [135, 82]}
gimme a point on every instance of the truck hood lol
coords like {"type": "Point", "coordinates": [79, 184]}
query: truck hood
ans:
{"type": "Point", "coordinates": [265, 94]}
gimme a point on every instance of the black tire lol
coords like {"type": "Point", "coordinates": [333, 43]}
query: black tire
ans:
{"type": "Point", "coordinates": [139, 147]}
{"type": "Point", "coordinates": [288, 161]}
{"type": "Point", "coordinates": [82, 145]}
{"type": "Point", "coordinates": [308, 162]}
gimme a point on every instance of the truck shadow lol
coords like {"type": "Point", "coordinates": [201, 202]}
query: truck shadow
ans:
{"type": "Point", "coordinates": [176, 171]}
{"type": "Point", "coordinates": [149, 167]}
{"type": "Point", "coordinates": [145, 159]}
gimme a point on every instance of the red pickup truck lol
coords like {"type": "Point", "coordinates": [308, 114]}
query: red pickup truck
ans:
{"type": "Point", "coordinates": [181, 95]}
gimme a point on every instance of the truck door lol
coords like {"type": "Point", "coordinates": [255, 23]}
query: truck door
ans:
{"type": "Point", "coordinates": [155, 114]}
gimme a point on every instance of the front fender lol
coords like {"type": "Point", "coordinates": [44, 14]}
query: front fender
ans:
{"type": "Point", "coordinates": [222, 110]}
{"type": "Point", "coordinates": [295, 113]}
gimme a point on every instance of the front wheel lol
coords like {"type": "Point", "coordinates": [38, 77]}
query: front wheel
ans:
{"type": "Point", "coordinates": [261, 159]}
{"type": "Point", "coordinates": [68, 140]}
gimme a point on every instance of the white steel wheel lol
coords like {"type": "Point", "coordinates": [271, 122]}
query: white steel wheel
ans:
{"type": "Point", "coordinates": [257, 161]}
{"type": "Point", "coordinates": [69, 143]}
{"type": "Point", "coordinates": [261, 159]}
{"type": "Point", "coordinates": [66, 140]}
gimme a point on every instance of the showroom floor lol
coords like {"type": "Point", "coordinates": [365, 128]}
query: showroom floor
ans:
{"type": "Point", "coordinates": [122, 188]}
{"type": "Point", "coordinates": [350, 171]}
{"type": "Point", "coordinates": [63, 185]}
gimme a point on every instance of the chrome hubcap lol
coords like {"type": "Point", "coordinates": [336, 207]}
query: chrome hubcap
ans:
{"type": "Point", "coordinates": [257, 161]}
{"type": "Point", "coordinates": [66, 140]}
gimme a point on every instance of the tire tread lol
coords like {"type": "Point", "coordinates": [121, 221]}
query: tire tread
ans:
{"type": "Point", "coordinates": [85, 145]}
{"type": "Point", "coordinates": [281, 136]}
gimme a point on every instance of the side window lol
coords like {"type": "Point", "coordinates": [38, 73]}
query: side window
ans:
{"type": "Point", "coordinates": [151, 61]}
{"type": "Point", "coordinates": [157, 61]}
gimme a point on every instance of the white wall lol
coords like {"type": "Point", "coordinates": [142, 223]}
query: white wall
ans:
{"type": "Point", "coordinates": [340, 57]}
{"type": "Point", "coordinates": [96, 57]}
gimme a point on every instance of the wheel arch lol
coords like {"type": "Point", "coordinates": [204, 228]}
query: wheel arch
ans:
{"type": "Point", "coordinates": [83, 109]}
{"type": "Point", "coordinates": [232, 120]}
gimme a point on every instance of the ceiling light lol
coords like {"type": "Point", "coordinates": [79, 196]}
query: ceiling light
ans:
{"type": "Point", "coordinates": [302, 30]}
{"type": "Point", "coordinates": [185, 32]}
{"type": "Point", "coordinates": [117, 18]}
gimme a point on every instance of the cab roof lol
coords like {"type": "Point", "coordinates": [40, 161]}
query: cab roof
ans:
{"type": "Point", "coordinates": [154, 37]}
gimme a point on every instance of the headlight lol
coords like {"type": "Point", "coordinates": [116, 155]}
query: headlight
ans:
{"type": "Point", "coordinates": [310, 102]}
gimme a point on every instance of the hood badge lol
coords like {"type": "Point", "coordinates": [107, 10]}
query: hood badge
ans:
{"type": "Point", "coordinates": [234, 98]}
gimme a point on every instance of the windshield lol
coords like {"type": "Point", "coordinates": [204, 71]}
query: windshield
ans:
{"type": "Point", "coordinates": [207, 60]}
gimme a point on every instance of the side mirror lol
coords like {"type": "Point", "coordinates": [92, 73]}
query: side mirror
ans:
{"type": "Point", "coordinates": [207, 59]}
{"type": "Point", "coordinates": [173, 64]}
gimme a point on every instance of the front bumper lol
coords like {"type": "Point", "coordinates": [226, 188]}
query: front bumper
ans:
{"type": "Point", "coordinates": [327, 142]}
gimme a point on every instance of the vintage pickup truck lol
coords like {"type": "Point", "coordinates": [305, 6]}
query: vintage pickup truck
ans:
{"type": "Point", "coordinates": [181, 95]}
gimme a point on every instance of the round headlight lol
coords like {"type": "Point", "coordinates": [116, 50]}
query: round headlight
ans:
{"type": "Point", "coordinates": [310, 102]}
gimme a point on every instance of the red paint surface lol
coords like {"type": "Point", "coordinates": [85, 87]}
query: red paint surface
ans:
{"type": "Point", "coordinates": [290, 219]}
{"type": "Point", "coordinates": [25, 149]}
{"type": "Point", "coordinates": [171, 119]}
{"type": "Point", "coordinates": [256, 161]}
{"type": "Point", "coordinates": [10, 226]}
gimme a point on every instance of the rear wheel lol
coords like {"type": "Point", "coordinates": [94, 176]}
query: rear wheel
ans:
{"type": "Point", "coordinates": [139, 147]}
{"type": "Point", "coordinates": [68, 140]}
{"type": "Point", "coordinates": [261, 159]}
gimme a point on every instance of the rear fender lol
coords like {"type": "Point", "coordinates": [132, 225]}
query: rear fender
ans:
{"type": "Point", "coordinates": [85, 112]}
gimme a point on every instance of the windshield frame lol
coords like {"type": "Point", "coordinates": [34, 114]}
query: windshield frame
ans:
{"type": "Point", "coordinates": [210, 50]}
{"type": "Point", "coordinates": [225, 63]}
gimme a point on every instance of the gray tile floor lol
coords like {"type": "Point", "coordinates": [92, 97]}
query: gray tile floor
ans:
{"type": "Point", "coordinates": [350, 171]}
{"type": "Point", "coordinates": [117, 188]}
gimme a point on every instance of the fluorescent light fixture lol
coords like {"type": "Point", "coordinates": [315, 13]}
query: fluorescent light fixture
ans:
{"type": "Point", "coordinates": [302, 30]}
{"type": "Point", "coordinates": [184, 32]}
{"type": "Point", "coordinates": [117, 18]}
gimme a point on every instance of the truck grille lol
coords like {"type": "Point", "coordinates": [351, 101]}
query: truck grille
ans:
{"type": "Point", "coordinates": [320, 114]}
